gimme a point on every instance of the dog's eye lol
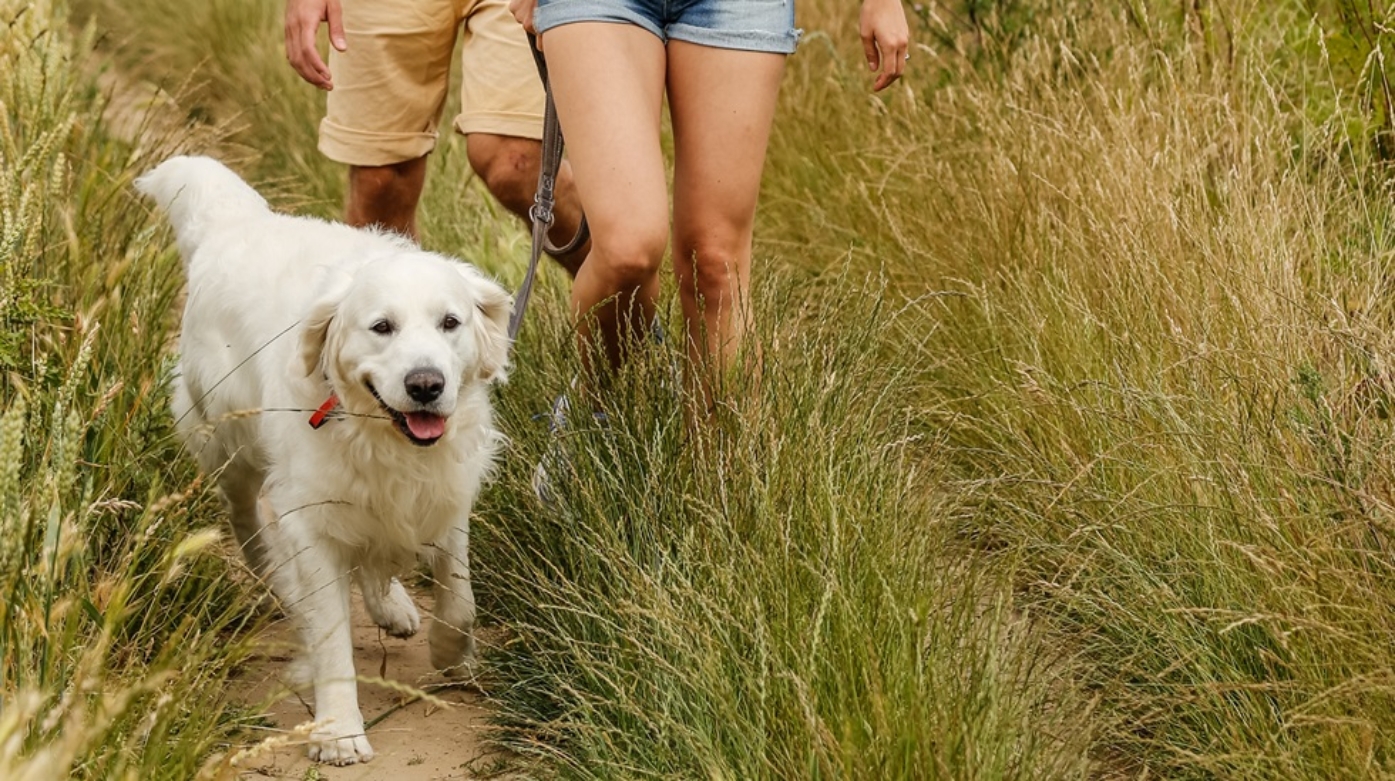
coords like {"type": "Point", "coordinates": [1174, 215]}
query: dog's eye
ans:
{"type": "Point", "coordinates": [450, 323]}
{"type": "Point", "coordinates": [383, 327]}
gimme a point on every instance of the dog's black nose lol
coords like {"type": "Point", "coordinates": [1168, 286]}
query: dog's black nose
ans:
{"type": "Point", "coordinates": [425, 385]}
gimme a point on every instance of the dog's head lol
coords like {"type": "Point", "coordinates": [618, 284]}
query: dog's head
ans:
{"type": "Point", "coordinates": [405, 336]}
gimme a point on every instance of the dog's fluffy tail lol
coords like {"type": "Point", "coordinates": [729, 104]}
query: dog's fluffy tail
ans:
{"type": "Point", "coordinates": [199, 194]}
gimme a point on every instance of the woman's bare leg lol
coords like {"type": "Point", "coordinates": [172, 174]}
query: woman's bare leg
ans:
{"type": "Point", "coordinates": [722, 102]}
{"type": "Point", "coordinates": [608, 82]}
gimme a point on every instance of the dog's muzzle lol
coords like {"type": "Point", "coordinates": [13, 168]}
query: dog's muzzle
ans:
{"type": "Point", "coordinates": [421, 427]}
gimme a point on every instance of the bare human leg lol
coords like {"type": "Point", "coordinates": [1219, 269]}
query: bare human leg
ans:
{"type": "Point", "coordinates": [509, 166]}
{"type": "Point", "coordinates": [386, 195]}
{"type": "Point", "coordinates": [608, 82]}
{"type": "Point", "coordinates": [722, 103]}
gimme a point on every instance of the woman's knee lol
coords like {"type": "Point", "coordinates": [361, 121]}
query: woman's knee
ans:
{"type": "Point", "coordinates": [630, 256]}
{"type": "Point", "coordinates": [710, 272]}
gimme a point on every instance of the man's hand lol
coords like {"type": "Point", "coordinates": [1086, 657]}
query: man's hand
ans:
{"type": "Point", "coordinates": [886, 39]}
{"type": "Point", "coordinates": [303, 19]}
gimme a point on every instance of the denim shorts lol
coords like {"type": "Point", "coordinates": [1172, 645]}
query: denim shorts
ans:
{"type": "Point", "coordinates": [750, 25]}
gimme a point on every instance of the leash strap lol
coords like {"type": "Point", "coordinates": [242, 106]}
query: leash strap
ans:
{"type": "Point", "coordinates": [544, 199]}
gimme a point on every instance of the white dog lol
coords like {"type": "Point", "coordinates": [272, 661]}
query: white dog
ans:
{"type": "Point", "coordinates": [345, 373]}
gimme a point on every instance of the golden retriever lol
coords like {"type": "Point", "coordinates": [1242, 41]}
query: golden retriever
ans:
{"type": "Point", "coordinates": [344, 375]}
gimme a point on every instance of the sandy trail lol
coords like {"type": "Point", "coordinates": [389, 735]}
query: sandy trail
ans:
{"type": "Point", "coordinates": [417, 741]}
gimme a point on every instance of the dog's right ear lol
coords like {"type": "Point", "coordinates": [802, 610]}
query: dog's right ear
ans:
{"type": "Point", "coordinates": [314, 328]}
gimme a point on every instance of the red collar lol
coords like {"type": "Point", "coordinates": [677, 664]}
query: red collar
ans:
{"type": "Point", "coordinates": [321, 415]}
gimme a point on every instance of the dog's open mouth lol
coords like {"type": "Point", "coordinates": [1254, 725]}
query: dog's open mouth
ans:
{"type": "Point", "coordinates": [421, 428]}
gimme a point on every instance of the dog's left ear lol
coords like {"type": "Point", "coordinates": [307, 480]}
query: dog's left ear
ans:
{"type": "Point", "coordinates": [314, 328]}
{"type": "Point", "coordinates": [494, 305]}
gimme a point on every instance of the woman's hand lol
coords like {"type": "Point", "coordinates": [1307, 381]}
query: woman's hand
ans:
{"type": "Point", "coordinates": [522, 10]}
{"type": "Point", "coordinates": [886, 39]}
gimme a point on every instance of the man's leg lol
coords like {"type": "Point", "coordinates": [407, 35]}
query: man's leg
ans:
{"type": "Point", "coordinates": [509, 167]}
{"type": "Point", "coordinates": [386, 196]}
{"type": "Point", "coordinates": [381, 118]}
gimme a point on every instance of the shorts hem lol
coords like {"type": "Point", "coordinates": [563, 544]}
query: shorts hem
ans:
{"type": "Point", "coordinates": [528, 126]}
{"type": "Point", "coordinates": [750, 40]}
{"type": "Point", "coordinates": [364, 148]}
{"type": "Point", "coordinates": [560, 12]}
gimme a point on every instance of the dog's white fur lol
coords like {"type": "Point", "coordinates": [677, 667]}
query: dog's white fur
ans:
{"type": "Point", "coordinates": [284, 311]}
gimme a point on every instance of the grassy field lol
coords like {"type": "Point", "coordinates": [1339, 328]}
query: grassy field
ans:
{"type": "Point", "coordinates": [1072, 459]}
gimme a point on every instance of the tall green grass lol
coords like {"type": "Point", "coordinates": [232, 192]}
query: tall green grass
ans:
{"type": "Point", "coordinates": [117, 626]}
{"type": "Point", "coordinates": [1072, 452]}
{"type": "Point", "coordinates": [1159, 363]}
{"type": "Point", "coordinates": [767, 598]}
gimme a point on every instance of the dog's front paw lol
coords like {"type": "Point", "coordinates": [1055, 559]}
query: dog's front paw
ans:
{"type": "Point", "coordinates": [452, 651]}
{"type": "Point", "coordinates": [393, 610]}
{"type": "Point", "coordinates": [333, 747]}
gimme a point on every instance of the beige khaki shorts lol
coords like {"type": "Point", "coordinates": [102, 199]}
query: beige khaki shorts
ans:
{"type": "Point", "coordinates": [391, 83]}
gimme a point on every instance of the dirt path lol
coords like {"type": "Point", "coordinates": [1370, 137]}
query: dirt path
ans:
{"type": "Point", "coordinates": [416, 741]}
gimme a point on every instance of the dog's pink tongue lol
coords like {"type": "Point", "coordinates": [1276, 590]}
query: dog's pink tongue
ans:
{"type": "Point", "coordinates": [425, 425]}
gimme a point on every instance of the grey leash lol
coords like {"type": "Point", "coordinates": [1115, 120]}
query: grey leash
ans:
{"type": "Point", "coordinates": [543, 201]}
